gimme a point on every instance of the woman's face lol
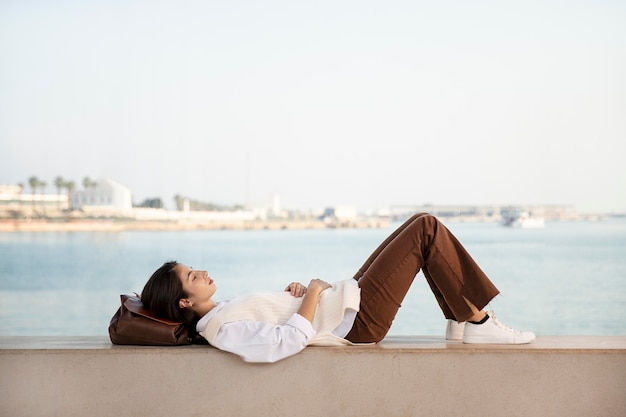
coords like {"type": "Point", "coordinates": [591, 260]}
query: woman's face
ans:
{"type": "Point", "coordinates": [197, 284]}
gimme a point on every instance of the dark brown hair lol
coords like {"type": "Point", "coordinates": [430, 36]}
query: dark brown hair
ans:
{"type": "Point", "coordinates": [162, 293]}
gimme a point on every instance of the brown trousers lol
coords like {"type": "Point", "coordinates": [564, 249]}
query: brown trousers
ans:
{"type": "Point", "coordinates": [422, 242]}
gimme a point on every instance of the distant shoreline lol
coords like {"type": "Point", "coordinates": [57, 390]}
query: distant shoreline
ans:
{"type": "Point", "coordinates": [56, 224]}
{"type": "Point", "coordinates": [109, 225]}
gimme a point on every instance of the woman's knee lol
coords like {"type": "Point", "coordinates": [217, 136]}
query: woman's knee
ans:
{"type": "Point", "coordinates": [425, 220]}
{"type": "Point", "coordinates": [418, 215]}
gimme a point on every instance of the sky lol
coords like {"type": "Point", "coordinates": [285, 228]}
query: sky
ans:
{"type": "Point", "coordinates": [364, 103]}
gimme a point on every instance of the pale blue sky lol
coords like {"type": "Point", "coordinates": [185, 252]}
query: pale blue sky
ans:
{"type": "Point", "coordinates": [340, 102]}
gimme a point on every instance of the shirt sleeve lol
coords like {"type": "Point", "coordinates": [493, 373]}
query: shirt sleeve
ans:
{"type": "Point", "coordinates": [256, 341]}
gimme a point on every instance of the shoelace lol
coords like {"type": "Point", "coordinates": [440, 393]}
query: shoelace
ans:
{"type": "Point", "coordinates": [503, 326]}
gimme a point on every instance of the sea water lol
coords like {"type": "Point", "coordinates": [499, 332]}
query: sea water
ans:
{"type": "Point", "coordinates": [566, 279]}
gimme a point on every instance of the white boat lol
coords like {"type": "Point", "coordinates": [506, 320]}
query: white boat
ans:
{"type": "Point", "coordinates": [523, 219]}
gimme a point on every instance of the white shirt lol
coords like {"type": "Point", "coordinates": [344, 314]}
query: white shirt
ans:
{"type": "Point", "coordinates": [256, 341]}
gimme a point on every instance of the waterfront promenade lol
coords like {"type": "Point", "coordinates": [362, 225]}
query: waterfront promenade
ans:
{"type": "Point", "coordinates": [573, 376]}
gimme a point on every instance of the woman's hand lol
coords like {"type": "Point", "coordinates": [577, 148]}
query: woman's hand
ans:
{"type": "Point", "coordinates": [296, 289]}
{"type": "Point", "coordinates": [318, 285]}
{"type": "Point", "coordinates": [309, 302]}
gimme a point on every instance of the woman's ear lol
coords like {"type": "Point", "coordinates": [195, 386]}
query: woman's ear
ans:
{"type": "Point", "coordinates": [184, 303]}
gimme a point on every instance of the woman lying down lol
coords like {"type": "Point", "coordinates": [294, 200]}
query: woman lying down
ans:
{"type": "Point", "coordinates": [268, 327]}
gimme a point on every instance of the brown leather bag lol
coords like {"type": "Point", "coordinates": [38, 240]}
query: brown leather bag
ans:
{"type": "Point", "coordinates": [134, 324]}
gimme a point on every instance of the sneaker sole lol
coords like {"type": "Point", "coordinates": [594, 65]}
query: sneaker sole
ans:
{"type": "Point", "coordinates": [477, 340]}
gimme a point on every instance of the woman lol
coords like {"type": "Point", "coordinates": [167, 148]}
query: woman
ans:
{"type": "Point", "coordinates": [272, 326]}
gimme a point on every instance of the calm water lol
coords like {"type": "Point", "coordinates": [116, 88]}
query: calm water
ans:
{"type": "Point", "coordinates": [566, 279]}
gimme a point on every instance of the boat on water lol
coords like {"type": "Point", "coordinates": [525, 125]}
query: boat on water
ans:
{"type": "Point", "coordinates": [523, 219]}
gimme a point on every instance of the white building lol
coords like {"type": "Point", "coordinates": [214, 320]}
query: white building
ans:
{"type": "Point", "coordinates": [13, 200]}
{"type": "Point", "coordinates": [106, 196]}
{"type": "Point", "coordinates": [340, 213]}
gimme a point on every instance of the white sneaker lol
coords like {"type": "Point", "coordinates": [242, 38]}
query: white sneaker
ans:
{"type": "Point", "coordinates": [492, 331]}
{"type": "Point", "coordinates": [454, 330]}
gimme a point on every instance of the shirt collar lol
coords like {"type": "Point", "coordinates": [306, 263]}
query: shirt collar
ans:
{"type": "Point", "coordinates": [201, 325]}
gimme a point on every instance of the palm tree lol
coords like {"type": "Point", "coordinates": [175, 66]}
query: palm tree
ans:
{"type": "Point", "coordinates": [33, 182]}
{"type": "Point", "coordinates": [21, 185]}
{"type": "Point", "coordinates": [42, 187]}
{"type": "Point", "coordinates": [70, 186]}
{"type": "Point", "coordinates": [89, 183]}
{"type": "Point", "coordinates": [59, 183]}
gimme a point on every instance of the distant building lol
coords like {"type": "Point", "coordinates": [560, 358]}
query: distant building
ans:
{"type": "Point", "coordinates": [486, 213]}
{"type": "Point", "coordinates": [341, 213]}
{"type": "Point", "coordinates": [106, 195]}
{"type": "Point", "coordinates": [14, 202]}
{"type": "Point", "coordinates": [10, 191]}
{"type": "Point", "coordinates": [275, 209]}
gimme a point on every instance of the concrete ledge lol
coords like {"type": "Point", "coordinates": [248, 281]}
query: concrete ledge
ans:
{"type": "Point", "coordinates": [402, 376]}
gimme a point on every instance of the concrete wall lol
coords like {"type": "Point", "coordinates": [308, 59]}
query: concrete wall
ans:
{"type": "Point", "coordinates": [417, 376]}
